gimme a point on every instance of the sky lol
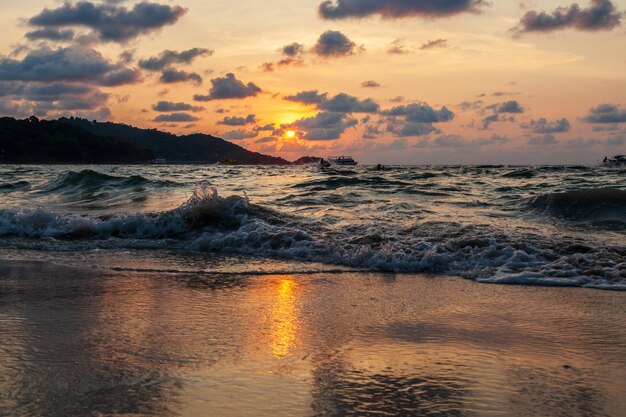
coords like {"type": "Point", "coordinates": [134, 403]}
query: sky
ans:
{"type": "Point", "coordinates": [386, 81]}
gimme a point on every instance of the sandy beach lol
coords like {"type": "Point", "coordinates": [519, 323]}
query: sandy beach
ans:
{"type": "Point", "coordinates": [97, 341]}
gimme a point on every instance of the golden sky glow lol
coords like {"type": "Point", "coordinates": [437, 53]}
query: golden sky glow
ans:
{"type": "Point", "coordinates": [474, 64]}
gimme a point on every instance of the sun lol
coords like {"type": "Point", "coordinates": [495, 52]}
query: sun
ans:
{"type": "Point", "coordinates": [290, 134]}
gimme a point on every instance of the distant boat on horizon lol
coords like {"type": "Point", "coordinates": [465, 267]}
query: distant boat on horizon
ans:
{"type": "Point", "coordinates": [616, 161]}
{"type": "Point", "coordinates": [342, 160]}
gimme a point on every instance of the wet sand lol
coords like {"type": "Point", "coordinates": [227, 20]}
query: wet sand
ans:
{"type": "Point", "coordinates": [94, 341]}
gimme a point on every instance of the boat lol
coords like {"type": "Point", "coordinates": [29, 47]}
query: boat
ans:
{"type": "Point", "coordinates": [616, 161]}
{"type": "Point", "coordinates": [342, 160]}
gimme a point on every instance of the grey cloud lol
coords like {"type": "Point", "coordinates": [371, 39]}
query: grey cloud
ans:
{"type": "Point", "coordinates": [608, 128]}
{"type": "Point", "coordinates": [334, 44]}
{"type": "Point", "coordinates": [397, 47]}
{"type": "Point", "coordinates": [265, 128]}
{"type": "Point", "coordinates": [325, 126]}
{"type": "Point", "coordinates": [371, 132]}
{"type": "Point", "coordinates": [308, 97]}
{"type": "Point", "coordinates": [169, 106]}
{"type": "Point", "coordinates": [543, 140]}
{"type": "Point", "coordinates": [52, 98]}
{"type": "Point", "coordinates": [266, 139]}
{"type": "Point", "coordinates": [238, 121]}
{"type": "Point", "coordinates": [50, 34]}
{"type": "Point", "coordinates": [406, 128]}
{"type": "Point", "coordinates": [168, 58]}
{"type": "Point", "coordinates": [127, 57]}
{"type": "Point", "coordinates": [240, 134]}
{"type": "Point", "coordinates": [393, 9]}
{"type": "Point", "coordinates": [370, 84]}
{"type": "Point", "coordinates": [345, 103]}
{"type": "Point", "coordinates": [606, 113]}
{"type": "Point", "coordinates": [66, 64]}
{"type": "Point", "coordinates": [340, 103]}
{"type": "Point", "coordinates": [470, 105]}
{"type": "Point", "coordinates": [456, 141]}
{"type": "Point", "coordinates": [229, 87]}
{"type": "Point", "coordinates": [108, 21]}
{"type": "Point", "coordinates": [170, 76]}
{"type": "Point", "coordinates": [544, 126]}
{"type": "Point", "coordinates": [616, 140]}
{"type": "Point", "coordinates": [600, 15]}
{"type": "Point", "coordinates": [437, 43]}
{"type": "Point", "coordinates": [175, 118]}
{"type": "Point", "coordinates": [511, 106]}
{"type": "Point", "coordinates": [420, 113]}
{"type": "Point", "coordinates": [293, 49]}
{"type": "Point", "coordinates": [487, 121]}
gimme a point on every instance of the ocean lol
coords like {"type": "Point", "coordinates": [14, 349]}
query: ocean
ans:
{"type": "Point", "coordinates": [546, 225]}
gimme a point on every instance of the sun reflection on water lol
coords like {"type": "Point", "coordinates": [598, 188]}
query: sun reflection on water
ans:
{"type": "Point", "coordinates": [284, 317]}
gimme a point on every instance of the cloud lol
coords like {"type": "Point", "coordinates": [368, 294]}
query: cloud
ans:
{"type": "Point", "coordinates": [400, 127]}
{"type": "Point", "coordinates": [616, 139]}
{"type": "Point", "coordinates": [437, 43]}
{"type": "Point", "coordinates": [240, 134]}
{"type": "Point", "coordinates": [108, 21]}
{"type": "Point", "coordinates": [58, 98]}
{"type": "Point", "coordinates": [340, 103]}
{"type": "Point", "coordinates": [394, 9]}
{"type": "Point", "coordinates": [168, 106]}
{"type": "Point", "coordinates": [420, 113]}
{"type": "Point", "coordinates": [168, 58]}
{"type": "Point", "coordinates": [487, 121]}
{"type": "Point", "coordinates": [511, 106]}
{"type": "Point", "coordinates": [238, 121]}
{"type": "Point", "coordinates": [370, 84]}
{"type": "Point", "coordinates": [324, 126]}
{"type": "Point", "coordinates": [397, 47]}
{"type": "Point", "coordinates": [72, 63]}
{"type": "Point", "coordinates": [470, 105]}
{"type": "Point", "coordinates": [600, 15]}
{"type": "Point", "coordinates": [345, 103]}
{"type": "Point", "coordinates": [499, 112]}
{"type": "Point", "coordinates": [265, 128]}
{"type": "Point", "coordinates": [293, 57]}
{"type": "Point", "coordinates": [170, 76]}
{"type": "Point", "coordinates": [175, 118]}
{"type": "Point", "coordinates": [543, 140]}
{"type": "Point", "coordinates": [334, 44]}
{"type": "Point", "coordinates": [293, 49]}
{"type": "Point", "coordinates": [50, 34]}
{"type": "Point", "coordinates": [456, 141]}
{"type": "Point", "coordinates": [606, 113]}
{"type": "Point", "coordinates": [307, 97]}
{"type": "Point", "coordinates": [266, 139]}
{"type": "Point", "coordinates": [229, 87]}
{"type": "Point", "coordinates": [544, 126]}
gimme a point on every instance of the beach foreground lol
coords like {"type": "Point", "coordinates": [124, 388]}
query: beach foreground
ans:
{"type": "Point", "coordinates": [145, 341]}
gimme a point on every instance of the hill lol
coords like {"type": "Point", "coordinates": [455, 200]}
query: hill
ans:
{"type": "Point", "coordinates": [193, 148]}
{"type": "Point", "coordinates": [40, 141]}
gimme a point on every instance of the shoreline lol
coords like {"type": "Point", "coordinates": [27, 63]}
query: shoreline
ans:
{"type": "Point", "coordinates": [292, 344]}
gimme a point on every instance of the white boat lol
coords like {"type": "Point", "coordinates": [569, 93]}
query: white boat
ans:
{"type": "Point", "coordinates": [342, 160]}
{"type": "Point", "coordinates": [616, 161]}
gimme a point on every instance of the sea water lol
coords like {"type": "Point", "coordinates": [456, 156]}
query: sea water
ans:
{"type": "Point", "coordinates": [546, 225]}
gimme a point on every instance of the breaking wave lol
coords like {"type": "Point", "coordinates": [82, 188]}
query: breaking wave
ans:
{"type": "Point", "coordinates": [209, 222]}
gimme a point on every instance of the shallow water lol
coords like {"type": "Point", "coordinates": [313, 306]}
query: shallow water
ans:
{"type": "Point", "coordinates": [85, 341]}
{"type": "Point", "coordinates": [549, 225]}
